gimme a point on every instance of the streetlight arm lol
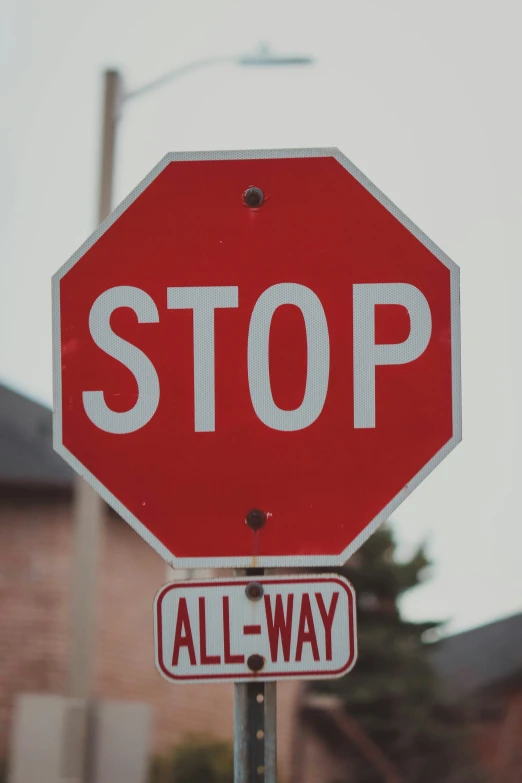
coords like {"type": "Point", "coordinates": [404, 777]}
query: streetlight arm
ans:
{"type": "Point", "coordinates": [256, 59]}
{"type": "Point", "coordinates": [263, 56]}
{"type": "Point", "coordinates": [180, 71]}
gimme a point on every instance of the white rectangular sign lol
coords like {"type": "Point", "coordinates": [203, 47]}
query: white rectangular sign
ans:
{"type": "Point", "coordinates": [255, 628]}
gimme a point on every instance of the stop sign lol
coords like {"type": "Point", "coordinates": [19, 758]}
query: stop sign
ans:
{"type": "Point", "coordinates": [256, 358]}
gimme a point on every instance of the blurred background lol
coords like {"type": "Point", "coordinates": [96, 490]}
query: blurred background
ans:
{"type": "Point", "coordinates": [424, 98]}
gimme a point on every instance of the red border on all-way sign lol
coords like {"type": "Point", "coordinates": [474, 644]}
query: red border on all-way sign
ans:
{"type": "Point", "coordinates": [259, 677]}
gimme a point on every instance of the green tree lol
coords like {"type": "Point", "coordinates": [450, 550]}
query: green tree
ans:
{"type": "Point", "coordinates": [393, 692]}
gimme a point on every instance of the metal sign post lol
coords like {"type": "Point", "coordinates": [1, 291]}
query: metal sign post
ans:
{"type": "Point", "coordinates": [255, 724]}
{"type": "Point", "coordinates": [255, 740]}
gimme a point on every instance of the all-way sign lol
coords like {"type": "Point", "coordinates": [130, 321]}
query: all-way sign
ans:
{"type": "Point", "coordinates": [262, 628]}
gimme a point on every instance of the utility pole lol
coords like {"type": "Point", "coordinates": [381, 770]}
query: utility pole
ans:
{"type": "Point", "coordinates": [111, 113]}
{"type": "Point", "coordinates": [88, 507]}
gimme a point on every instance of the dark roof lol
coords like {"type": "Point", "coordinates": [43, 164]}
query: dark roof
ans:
{"type": "Point", "coordinates": [473, 660]}
{"type": "Point", "coordinates": [26, 452]}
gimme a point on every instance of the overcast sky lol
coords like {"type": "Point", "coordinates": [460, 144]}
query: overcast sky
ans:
{"type": "Point", "coordinates": [424, 97]}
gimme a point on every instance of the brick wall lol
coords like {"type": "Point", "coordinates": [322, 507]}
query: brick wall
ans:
{"type": "Point", "coordinates": [35, 547]}
{"type": "Point", "coordinates": [35, 579]}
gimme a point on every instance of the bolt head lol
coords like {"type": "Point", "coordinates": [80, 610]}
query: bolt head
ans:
{"type": "Point", "coordinates": [254, 591]}
{"type": "Point", "coordinates": [255, 518]}
{"type": "Point", "coordinates": [255, 662]}
{"type": "Point", "coordinates": [253, 197]}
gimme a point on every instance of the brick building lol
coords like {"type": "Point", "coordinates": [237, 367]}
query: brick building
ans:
{"type": "Point", "coordinates": [482, 668]}
{"type": "Point", "coordinates": [36, 542]}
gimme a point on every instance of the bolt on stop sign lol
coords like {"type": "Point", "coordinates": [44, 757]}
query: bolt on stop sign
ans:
{"type": "Point", "coordinates": [256, 358]}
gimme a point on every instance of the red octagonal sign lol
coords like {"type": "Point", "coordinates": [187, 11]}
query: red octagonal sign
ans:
{"type": "Point", "coordinates": [294, 351]}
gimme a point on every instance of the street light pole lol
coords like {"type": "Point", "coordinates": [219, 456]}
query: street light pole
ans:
{"type": "Point", "coordinates": [111, 111]}
{"type": "Point", "coordinates": [88, 506]}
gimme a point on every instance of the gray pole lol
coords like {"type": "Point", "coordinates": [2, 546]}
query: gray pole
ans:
{"type": "Point", "coordinates": [255, 741]}
{"type": "Point", "coordinates": [270, 732]}
{"type": "Point", "coordinates": [240, 733]}
{"type": "Point", "coordinates": [87, 504]}
{"type": "Point", "coordinates": [111, 112]}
